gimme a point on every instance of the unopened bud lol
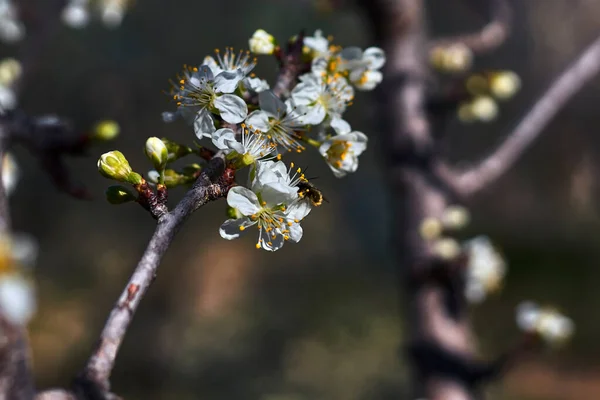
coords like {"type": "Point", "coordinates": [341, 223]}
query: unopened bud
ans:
{"type": "Point", "coordinates": [114, 165]}
{"type": "Point", "coordinates": [484, 108]}
{"type": "Point", "coordinates": [106, 130]}
{"type": "Point", "coordinates": [119, 195]}
{"type": "Point", "coordinates": [176, 150]}
{"type": "Point", "coordinates": [157, 153]}
{"type": "Point", "coordinates": [430, 228]}
{"type": "Point", "coordinates": [446, 248]}
{"type": "Point", "coordinates": [504, 84]}
{"type": "Point", "coordinates": [262, 42]}
{"type": "Point", "coordinates": [455, 217]}
{"type": "Point", "coordinates": [233, 213]}
{"type": "Point", "coordinates": [10, 70]}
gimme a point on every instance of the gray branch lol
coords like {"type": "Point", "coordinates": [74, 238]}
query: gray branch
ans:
{"type": "Point", "coordinates": [570, 82]}
{"type": "Point", "coordinates": [491, 36]}
{"type": "Point", "coordinates": [209, 186]}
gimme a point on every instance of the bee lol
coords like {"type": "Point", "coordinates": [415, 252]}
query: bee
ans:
{"type": "Point", "coordinates": [307, 190]}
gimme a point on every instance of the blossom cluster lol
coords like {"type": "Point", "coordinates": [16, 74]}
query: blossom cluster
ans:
{"type": "Point", "coordinates": [484, 267]}
{"type": "Point", "coordinates": [76, 13]}
{"type": "Point", "coordinates": [256, 126]}
{"type": "Point", "coordinates": [545, 322]}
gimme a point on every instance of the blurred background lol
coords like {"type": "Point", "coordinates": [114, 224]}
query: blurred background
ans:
{"type": "Point", "coordinates": [320, 319]}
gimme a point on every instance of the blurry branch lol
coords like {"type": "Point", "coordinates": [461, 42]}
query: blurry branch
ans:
{"type": "Point", "coordinates": [213, 183]}
{"type": "Point", "coordinates": [573, 79]}
{"type": "Point", "coordinates": [490, 36]}
{"type": "Point", "coordinates": [440, 346]}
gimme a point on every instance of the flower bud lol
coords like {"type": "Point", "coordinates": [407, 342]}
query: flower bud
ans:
{"type": "Point", "coordinates": [430, 228]}
{"type": "Point", "coordinates": [106, 130]}
{"type": "Point", "coordinates": [484, 108]}
{"type": "Point", "coordinates": [119, 195]}
{"type": "Point", "coordinates": [176, 150]}
{"type": "Point", "coordinates": [10, 70]}
{"type": "Point", "coordinates": [504, 84]}
{"type": "Point", "coordinates": [114, 165]}
{"type": "Point", "coordinates": [157, 153]}
{"type": "Point", "coordinates": [446, 248]}
{"type": "Point", "coordinates": [262, 42]}
{"type": "Point", "coordinates": [455, 217]}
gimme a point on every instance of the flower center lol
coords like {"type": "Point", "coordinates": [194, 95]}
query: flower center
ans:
{"type": "Point", "coordinates": [338, 152]}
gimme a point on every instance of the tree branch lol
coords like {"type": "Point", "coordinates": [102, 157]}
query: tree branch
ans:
{"type": "Point", "coordinates": [544, 110]}
{"type": "Point", "coordinates": [212, 184]}
{"type": "Point", "coordinates": [436, 312]}
{"type": "Point", "coordinates": [490, 36]}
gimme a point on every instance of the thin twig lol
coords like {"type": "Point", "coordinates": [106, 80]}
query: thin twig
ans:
{"type": "Point", "coordinates": [210, 185]}
{"type": "Point", "coordinates": [573, 79]}
{"type": "Point", "coordinates": [490, 36]}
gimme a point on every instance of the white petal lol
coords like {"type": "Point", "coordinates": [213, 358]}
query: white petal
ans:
{"type": "Point", "coordinates": [340, 126]}
{"type": "Point", "coordinates": [258, 120]}
{"type": "Point", "coordinates": [272, 104]}
{"type": "Point", "coordinates": [17, 299]}
{"type": "Point", "coordinates": [204, 125]}
{"type": "Point", "coordinates": [232, 108]}
{"type": "Point", "coordinates": [244, 200]}
{"type": "Point", "coordinates": [271, 241]}
{"type": "Point", "coordinates": [212, 64]}
{"type": "Point", "coordinates": [278, 193]}
{"type": "Point", "coordinates": [230, 229]}
{"type": "Point", "coordinates": [295, 233]}
{"type": "Point", "coordinates": [314, 115]}
{"type": "Point", "coordinates": [375, 57]}
{"type": "Point", "coordinates": [298, 210]}
{"type": "Point", "coordinates": [227, 82]}
{"type": "Point", "coordinates": [224, 139]}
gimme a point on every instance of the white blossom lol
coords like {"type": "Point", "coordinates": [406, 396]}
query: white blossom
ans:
{"type": "Point", "coordinates": [255, 85]}
{"type": "Point", "coordinates": [279, 121]}
{"type": "Point", "coordinates": [76, 14]}
{"type": "Point", "coordinates": [322, 98]}
{"type": "Point", "coordinates": [363, 66]}
{"type": "Point", "coordinates": [270, 204]}
{"type": "Point", "coordinates": [230, 62]}
{"type": "Point", "coordinates": [199, 93]}
{"type": "Point", "coordinates": [17, 299]}
{"type": "Point", "coordinates": [262, 42]}
{"type": "Point", "coordinates": [317, 45]}
{"type": "Point", "coordinates": [552, 326]}
{"type": "Point", "coordinates": [252, 146]}
{"type": "Point", "coordinates": [342, 150]}
{"type": "Point", "coordinates": [485, 268]}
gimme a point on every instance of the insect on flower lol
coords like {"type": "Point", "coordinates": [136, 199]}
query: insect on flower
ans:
{"type": "Point", "coordinates": [307, 190]}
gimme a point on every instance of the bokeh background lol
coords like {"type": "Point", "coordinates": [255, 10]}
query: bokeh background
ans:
{"type": "Point", "coordinates": [320, 319]}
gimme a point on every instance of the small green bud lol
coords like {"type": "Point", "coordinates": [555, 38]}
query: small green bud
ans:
{"type": "Point", "coordinates": [106, 130]}
{"type": "Point", "coordinates": [233, 213]}
{"type": "Point", "coordinates": [118, 195]}
{"type": "Point", "coordinates": [114, 165]}
{"type": "Point", "coordinates": [157, 153]}
{"type": "Point", "coordinates": [176, 150]}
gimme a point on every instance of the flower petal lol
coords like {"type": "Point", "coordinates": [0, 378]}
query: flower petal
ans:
{"type": "Point", "coordinates": [295, 233]}
{"type": "Point", "coordinates": [259, 120]}
{"type": "Point", "coordinates": [245, 200]}
{"type": "Point", "coordinates": [375, 57]}
{"type": "Point", "coordinates": [224, 139]}
{"type": "Point", "coordinates": [272, 104]}
{"type": "Point", "coordinates": [340, 126]}
{"type": "Point", "coordinates": [204, 125]}
{"type": "Point", "coordinates": [227, 81]}
{"type": "Point", "coordinates": [271, 241]}
{"type": "Point", "coordinates": [232, 228]}
{"type": "Point", "coordinates": [232, 108]}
